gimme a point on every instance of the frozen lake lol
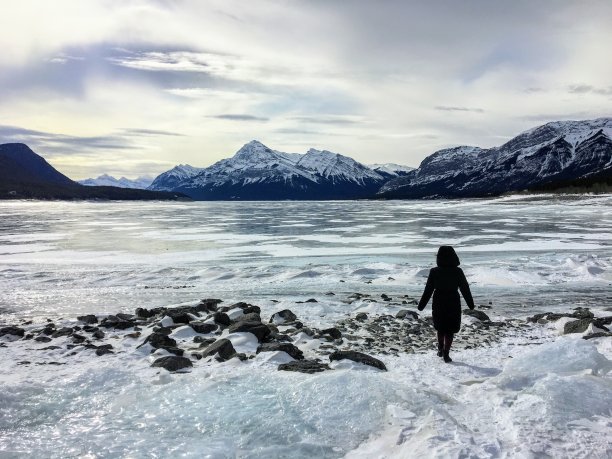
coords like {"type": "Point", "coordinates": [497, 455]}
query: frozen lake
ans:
{"type": "Point", "coordinates": [549, 396]}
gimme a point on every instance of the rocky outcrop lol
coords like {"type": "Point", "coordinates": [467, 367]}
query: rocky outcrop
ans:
{"type": "Point", "coordinates": [172, 363]}
{"type": "Point", "coordinates": [304, 366]}
{"type": "Point", "coordinates": [358, 357]}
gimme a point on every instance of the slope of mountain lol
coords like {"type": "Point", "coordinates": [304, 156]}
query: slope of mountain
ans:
{"type": "Point", "coordinates": [26, 175]}
{"type": "Point", "coordinates": [172, 178]}
{"type": "Point", "coordinates": [557, 151]}
{"type": "Point", "coordinates": [390, 170]}
{"type": "Point", "coordinates": [257, 172]}
{"type": "Point", "coordinates": [140, 183]}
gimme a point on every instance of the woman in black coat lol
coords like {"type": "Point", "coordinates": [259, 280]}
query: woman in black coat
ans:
{"type": "Point", "coordinates": [443, 282]}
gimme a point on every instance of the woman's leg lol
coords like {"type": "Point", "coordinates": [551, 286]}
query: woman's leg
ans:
{"type": "Point", "coordinates": [440, 343]}
{"type": "Point", "coordinates": [448, 341]}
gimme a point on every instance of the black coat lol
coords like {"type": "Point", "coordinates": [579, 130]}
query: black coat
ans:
{"type": "Point", "coordinates": [443, 282]}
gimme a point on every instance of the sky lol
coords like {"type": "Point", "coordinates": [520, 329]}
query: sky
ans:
{"type": "Point", "coordinates": [133, 87]}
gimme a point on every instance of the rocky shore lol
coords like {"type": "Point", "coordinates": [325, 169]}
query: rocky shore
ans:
{"type": "Point", "coordinates": [210, 332]}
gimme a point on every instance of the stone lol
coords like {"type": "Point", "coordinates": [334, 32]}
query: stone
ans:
{"type": "Point", "coordinates": [261, 331]}
{"type": "Point", "coordinates": [476, 314]}
{"type": "Point", "coordinates": [403, 313]}
{"type": "Point", "coordinates": [597, 335]}
{"type": "Point", "coordinates": [104, 349]}
{"type": "Point", "coordinates": [98, 334]}
{"type": "Point", "coordinates": [179, 316]}
{"type": "Point", "coordinates": [202, 341]}
{"type": "Point", "coordinates": [209, 304]}
{"type": "Point", "coordinates": [172, 363]}
{"type": "Point", "coordinates": [304, 366]}
{"type": "Point", "coordinates": [222, 318]}
{"type": "Point", "coordinates": [333, 332]}
{"type": "Point", "coordinates": [289, 348]}
{"type": "Point", "coordinates": [116, 322]}
{"type": "Point", "coordinates": [361, 317]}
{"type": "Point", "coordinates": [42, 339]}
{"type": "Point", "coordinates": [311, 300]}
{"type": "Point", "coordinates": [249, 317]}
{"type": "Point", "coordinates": [15, 331]}
{"type": "Point", "coordinates": [203, 327]}
{"type": "Point", "coordinates": [251, 308]}
{"type": "Point", "coordinates": [577, 326]}
{"type": "Point", "coordinates": [285, 315]}
{"type": "Point", "coordinates": [358, 357]}
{"type": "Point", "coordinates": [88, 319]}
{"type": "Point", "coordinates": [64, 331]}
{"type": "Point", "coordinates": [223, 348]}
{"type": "Point", "coordinates": [159, 340]}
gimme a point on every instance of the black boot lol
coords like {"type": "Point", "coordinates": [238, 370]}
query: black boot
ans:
{"type": "Point", "coordinates": [447, 358]}
{"type": "Point", "coordinates": [440, 351]}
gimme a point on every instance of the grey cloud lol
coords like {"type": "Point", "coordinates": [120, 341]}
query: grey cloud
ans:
{"type": "Point", "coordinates": [447, 108]}
{"type": "Point", "coordinates": [589, 89]}
{"type": "Point", "coordinates": [240, 117]}
{"type": "Point", "coordinates": [51, 144]}
{"type": "Point", "coordinates": [323, 119]}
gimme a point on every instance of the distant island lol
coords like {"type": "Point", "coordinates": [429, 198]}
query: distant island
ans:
{"type": "Point", "coordinates": [563, 156]}
{"type": "Point", "coordinates": [26, 175]}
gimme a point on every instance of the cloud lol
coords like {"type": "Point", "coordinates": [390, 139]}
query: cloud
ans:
{"type": "Point", "coordinates": [240, 117]}
{"type": "Point", "coordinates": [323, 119]}
{"type": "Point", "coordinates": [589, 89]}
{"type": "Point", "coordinates": [447, 108]}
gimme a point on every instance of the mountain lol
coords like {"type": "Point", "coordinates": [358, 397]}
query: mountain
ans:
{"type": "Point", "coordinates": [26, 175]}
{"type": "Point", "coordinates": [390, 170]}
{"type": "Point", "coordinates": [140, 183]}
{"type": "Point", "coordinates": [257, 172]}
{"type": "Point", "coordinates": [560, 151]}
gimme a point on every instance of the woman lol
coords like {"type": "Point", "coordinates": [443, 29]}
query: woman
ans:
{"type": "Point", "coordinates": [443, 282]}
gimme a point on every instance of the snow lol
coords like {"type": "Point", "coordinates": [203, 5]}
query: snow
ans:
{"type": "Point", "coordinates": [108, 180]}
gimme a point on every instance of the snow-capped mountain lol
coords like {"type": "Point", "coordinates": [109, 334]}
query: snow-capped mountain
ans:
{"type": "Point", "coordinates": [257, 172]}
{"type": "Point", "coordinates": [170, 179]}
{"type": "Point", "coordinates": [390, 170]}
{"type": "Point", "coordinates": [557, 151]}
{"type": "Point", "coordinates": [140, 183]}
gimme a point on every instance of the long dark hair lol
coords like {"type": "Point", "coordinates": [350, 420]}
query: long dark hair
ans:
{"type": "Point", "coordinates": [447, 258]}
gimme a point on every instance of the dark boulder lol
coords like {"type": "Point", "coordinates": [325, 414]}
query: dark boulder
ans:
{"type": "Point", "coordinates": [358, 357]}
{"type": "Point", "coordinates": [404, 313]}
{"type": "Point", "coordinates": [361, 317]}
{"type": "Point", "coordinates": [98, 334]}
{"type": "Point", "coordinates": [476, 313]}
{"type": "Point", "coordinates": [304, 366]}
{"type": "Point", "coordinates": [203, 327]}
{"type": "Point", "coordinates": [88, 319]}
{"type": "Point", "coordinates": [159, 340]}
{"type": "Point", "coordinates": [15, 331]}
{"type": "Point", "coordinates": [172, 363]}
{"type": "Point", "coordinates": [104, 349]}
{"type": "Point", "coordinates": [283, 316]}
{"type": "Point", "coordinates": [222, 348]}
{"type": "Point", "coordinates": [597, 335]}
{"type": "Point", "coordinates": [311, 300]}
{"type": "Point", "coordinates": [179, 316]}
{"type": "Point", "coordinates": [333, 332]}
{"type": "Point", "coordinates": [64, 331]}
{"type": "Point", "coordinates": [208, 305]}
{"type": "Point", "coordinates": [116, 322]}
{"type": "Point", "coordinates": [222, 318]}
{"type": "Point", "coordinates": [203, 342]}
{"type": "Point", "coordinates": [42, 339]}
{"type": "Point", "coordinates": [249, 317]}
{"type": "Point", "coordinates": [289, 348]}
{"type": "Point", "coordinates": [261, 331]}
{"type": "Point", "coordinates": [577, 326]}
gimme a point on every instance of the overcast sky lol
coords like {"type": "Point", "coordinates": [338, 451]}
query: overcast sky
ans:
{"type": "Point", "coordinates": [135, 87]}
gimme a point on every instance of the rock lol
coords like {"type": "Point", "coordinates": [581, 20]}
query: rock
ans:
{"type": "Point", "coordinates": [261, 331]}
{"type": "Point", "coordinates": [172, 363]}
{"type": "Point", "coordinates": [77, 338]}
{"type": "Point", "coordinates": [358, 357]}
{"type": "Point", "coordinates": [179, 316]}
{"type": "Point", "coordinates": [597, 335]}
{"type": "Point", "coordinates": [333, 332]}
{"type": "Point", "coordinates": [104, 349]}
{"type": "Point", "coordinates": [64, 331]}
{"type": "Point", "coordinates": [577, 326]}
{"type": "Point", "coordinates": [601, 322]}
{"type": "Point", "coordinates": [98, 334]}
{"type": "Point", "coordinates": [311, 300]}
{"type": "Point", "coordinates": [402, 314]}
{"type": "Point", "coordinates": [173, 350]}
{"type": "Point", "coordinates": [42, 339]}
{"type": "Point", "coordinates": [304, 366]}
{"type": "Point", "coordinates": [209, 304]}
{"type": "Point", "coordinates": [159, 340]}
{"type": "Point", "coordinates": [116, 322]}
{"type": "Point", "coordinates": [204, 342]}
{"type": "Point", "coordinates": [144, 313]}
{"type": "Point", "coordinates": [582, 313]}
{"type": "Point", "coordinates": [15, 331]}
{"type": "Point", "coordinates": [88, 319]}
{"type": "Point", "coordinates": [476, 313]}
{"type": "Point", "coordinates": [223, 348]}
{"type": "Point", "coordinates": [202, 327]}
{"type": "Point", "coordinates": [330, 294]}
{"type": "Point", "coordinates": [250, 317]}
{"type": "Point", "coordinates": [283, 316]}
{"type": "Point", "coordinates": [123, 316]}
{"type": "Point", "coordinates": [289, 348]}
{"type": "Point", "coordinates": [361, 317]}
{"type": "Point", "coordinates": [251, 308]}
{"type": "Point", "coordinates": [222, 318]}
